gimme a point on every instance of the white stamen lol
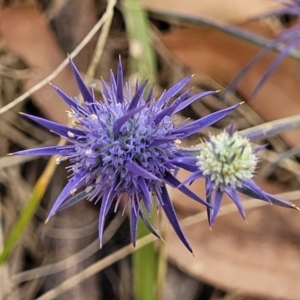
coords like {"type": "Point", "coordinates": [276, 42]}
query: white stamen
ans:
{"type": "Point", "coordinates": [58, 160]}
{"type": "Point", "coordinates": [69, 114]}
{"type": "Point", "coordinates": [88, 189]}
{"type": "Point", "coordinates": [94, 117]}
{"type": "Point", "coordinates": [70, 134]}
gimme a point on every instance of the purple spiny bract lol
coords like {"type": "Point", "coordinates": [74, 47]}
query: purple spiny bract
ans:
{"type": "Point", "coordinates": [125, 145]}
{"type": "Point", "coordinates": [228, 163]}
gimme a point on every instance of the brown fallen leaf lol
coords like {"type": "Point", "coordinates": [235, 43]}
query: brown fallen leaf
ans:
{"type": "Point", "coordinates": [221, 57]}
{"type": "Point", "coordinates": [27, 34]}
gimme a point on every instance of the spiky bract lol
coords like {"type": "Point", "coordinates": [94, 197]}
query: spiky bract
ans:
{"type": "Point", "coordinates": [125, 146]}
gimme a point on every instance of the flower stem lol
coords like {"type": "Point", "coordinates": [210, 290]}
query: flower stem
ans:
{"type": "Point", "coordinates": [142, 65]}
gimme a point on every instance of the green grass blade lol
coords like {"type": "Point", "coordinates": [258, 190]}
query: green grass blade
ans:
{"type": "Point", "coordinates": [142, 66]}
{"type": "Point", "coordinates": [28, 211]}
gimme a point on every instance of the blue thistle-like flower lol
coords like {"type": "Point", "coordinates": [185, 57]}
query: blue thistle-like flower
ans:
{"type": "Point", "coordinates": [125, 145]}
{"type": "Point", "coordinates": [228, 162]}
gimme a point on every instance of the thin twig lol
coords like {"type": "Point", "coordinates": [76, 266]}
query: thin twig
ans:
{"type": "Point", "coordinates": [287, 163]}
{"type": "Point", "coordinates": [272, 128]}
{"type": "Point", "coordinates": [101, 41]}
{"type": "Point", "coordinates": [96, 267]}
{"type": "Point", "coordinates": [71, 260]}
{"type": "Point", "coordinates": [248, 203]}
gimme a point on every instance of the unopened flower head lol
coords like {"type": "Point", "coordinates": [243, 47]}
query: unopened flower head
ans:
{"type": "Point", "coordinates": [228, 159]}
{"type": "Point", "coordinates": [126, 145]}
{"type": "Point", "coordinates": [227, 162]}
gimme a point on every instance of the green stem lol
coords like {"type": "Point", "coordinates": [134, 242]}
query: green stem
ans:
{"type": "Point", "coordinates": [142, 57]}
{"type": "Point", "coordinates": [142, 66]}
{"type": "Point", "coordinates": [145, 268]}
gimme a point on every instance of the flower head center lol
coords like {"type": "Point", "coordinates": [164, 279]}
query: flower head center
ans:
{"type": "Point", "coordinates": [227, 159]}
{"type": "Point", "coordinates": [101, 152]}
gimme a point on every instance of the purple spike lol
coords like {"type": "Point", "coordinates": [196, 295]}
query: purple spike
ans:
{"type": "Point", "coordinates": [186, 166]}
{"type": "Point", "coordinates": [150, 95]}
{"type": "Point", "coordinates": [167, 111]}
{"type": "Point", "coordinates": [173, 90]}
{"type": "Point", "coordinates": [183, 96]}
{"type": "Point", "coordinates": [105, 90]}
{"type": "Point", "coordinates": [193, 99]}
{"type": "Point", "coordinates": [275, 64]}
{"type": "Point", "coordinates": [113, 84]}
{"type": "Point", "coordinates": [204, 122]}
{"type": "Point", "coordinates": [137, 170]}
{"type": "Point", "coordinates": [209, 209]}
{"type": "Point", "coordinates": [120, 93]}
{"type": "Point", "coordinates": [52, 150]}
{"type": "Point", "coordinates": [146, 195]}
{"type": "Point", "coordinates": [149, 225]}
{"type": "Point", "coordinates": [74, 199]}
{"type": "Point", "coordinates": [65, 97]}
{"type": "Point", "coordinates": [174, 182]}
{"type": "Point", "coordinates": [171, 109]}
{"type": "Point", "coordinates": [169, 210]}
{"type": "Point", "coordinates": [251, 189]}
{"type": "Point", "coordinates": [208, 187]}
{"type": "Point", "coordinates": [281, 202]}
{"type": "Point", "coordinates": [137, 85]}
{"type": "Point", "coordinates": [107, 200]}
{"type": "Point", "coordinates": [159, 141]}
{"type": "Point", "coordinates": [259, 148]}
{"type": "Point", "coordinates": [179, 100]}
{"type": "Point", "coordinates": [75, 183]}
{"type": "Point", "coordinates": [134, 213]}
{"type": "Point", "coordinates": [233, 195]}
{"type": "Point", "coordinates": [137, 97]}
{"type": "Point", "coordinates": [55, 127]}
{"type": "Point", "coordinates": [216, 206]}
{"type": "Point", "coordinates": [237, 79]}
{"type": "Point", "coordinates": [196, 175]}
{"type": "Point", "coordinates": [85, 92]}
{"type": "Point", "coordinates": [184, 159]}
{"type": "Point", "coordinates": [122, 120]}
{"type": "Point", "coordinates": [231, 130]}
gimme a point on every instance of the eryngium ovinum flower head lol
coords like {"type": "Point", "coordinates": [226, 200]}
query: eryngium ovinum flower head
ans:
{"type": "Point", "coordinates": [125, 145]}
{"type": "Point", "coordinates": [228, 162]}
